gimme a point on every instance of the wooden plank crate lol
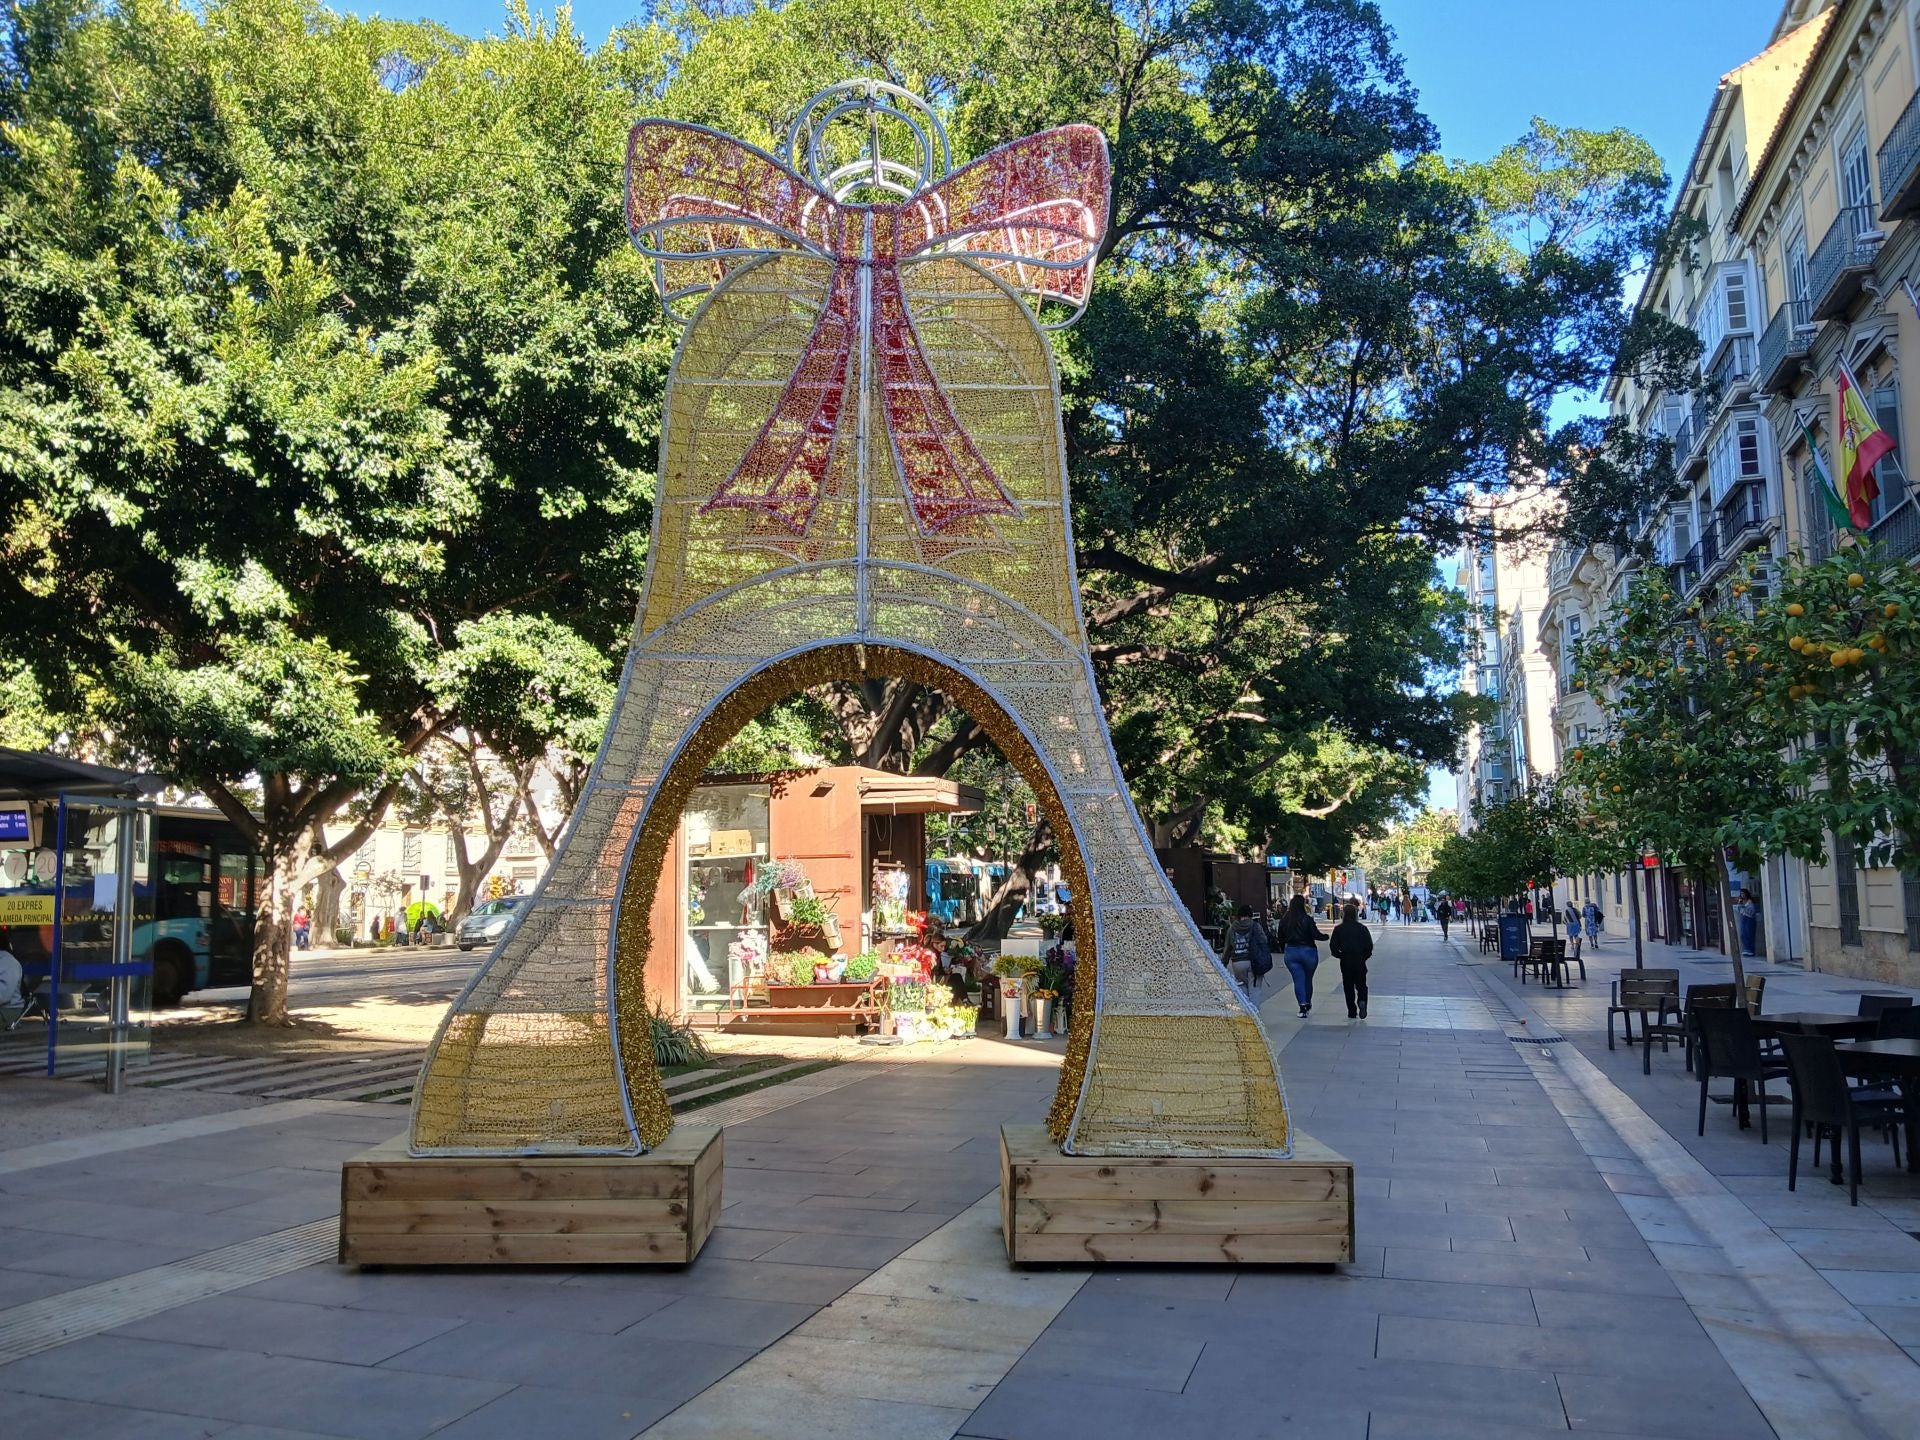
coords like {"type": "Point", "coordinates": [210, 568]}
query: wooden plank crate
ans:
{"type": "Point", "coordinates": [652, 1209]}
{"type": "Point", "coordinates": [1056, 1207]}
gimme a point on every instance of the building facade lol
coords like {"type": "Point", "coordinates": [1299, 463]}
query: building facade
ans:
{"type": "Point", "coordinates": [1802, 206]}
{"type": "Point", "coordinates": [1828, 223]}
{"type": "Point", "coordinates": [1503, 574]}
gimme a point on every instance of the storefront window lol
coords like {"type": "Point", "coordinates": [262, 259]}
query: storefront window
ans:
{"type": "Point", "coordinates": [724, 828]}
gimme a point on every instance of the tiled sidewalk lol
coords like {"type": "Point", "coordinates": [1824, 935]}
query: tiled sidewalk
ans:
{"type": "Point", "coordinates": [1506, 1284]}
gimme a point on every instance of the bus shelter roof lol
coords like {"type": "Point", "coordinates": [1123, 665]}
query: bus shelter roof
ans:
{"type": "Point", "coordinates": [34, 775]}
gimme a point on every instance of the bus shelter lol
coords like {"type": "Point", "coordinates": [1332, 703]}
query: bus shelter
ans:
{"type": "Point", "coordinates": [76, 891]}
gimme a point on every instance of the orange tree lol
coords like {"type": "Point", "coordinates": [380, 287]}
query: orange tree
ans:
{"type": "Point", "coordinates": [1694, 763]}
{"type": "Point", "coordinates": [1842, 638]}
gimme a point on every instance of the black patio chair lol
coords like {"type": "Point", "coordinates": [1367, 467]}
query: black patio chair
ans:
{"type": "Point", "coordinates": [1823, 1099]}
{"type": "Point", "coordinates": [1703, 997]}
{"type": "Point", "coordinates": [1900, 1023]}
{"type": "Point", "coordinates": [1730, 1050]}
{"type": "Point", "coordinates": [1872, 1007]}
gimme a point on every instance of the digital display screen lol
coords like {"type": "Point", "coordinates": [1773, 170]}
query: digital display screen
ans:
{"type": "Point", "coordinates": [13, 825]}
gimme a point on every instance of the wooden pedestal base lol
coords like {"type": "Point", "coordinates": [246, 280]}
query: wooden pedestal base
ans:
{"type": "Point", "coordinates": [1056, 1207]}
{"type": "Point", "coordinates": [657, 1208]}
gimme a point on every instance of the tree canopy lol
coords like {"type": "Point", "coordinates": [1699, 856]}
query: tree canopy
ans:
{"type": "Point", "coordinates": [331, 384]}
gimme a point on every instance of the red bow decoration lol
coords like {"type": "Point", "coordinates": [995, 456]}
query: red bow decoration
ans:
{"type": "Point", "coordinates": [701, 204]}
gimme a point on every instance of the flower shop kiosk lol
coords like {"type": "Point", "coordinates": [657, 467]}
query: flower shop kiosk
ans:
{"type": "Point", "coordinates": [790, 894]}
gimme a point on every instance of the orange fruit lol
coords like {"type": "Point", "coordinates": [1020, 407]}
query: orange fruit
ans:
{"type": "Point", "coordinates": [1856, 580]}
{"type": "Point", "coordinates": [1796, 609]}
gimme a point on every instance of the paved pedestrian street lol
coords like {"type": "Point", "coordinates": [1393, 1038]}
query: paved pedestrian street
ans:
{"type": "Point", "coordinates": [1544, 1245]}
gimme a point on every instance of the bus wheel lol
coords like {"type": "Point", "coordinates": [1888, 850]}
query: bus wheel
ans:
{"type": "Point", "coordinates": [170, 972]}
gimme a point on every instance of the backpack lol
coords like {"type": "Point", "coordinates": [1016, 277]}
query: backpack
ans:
{"type": "Point", "coordinates": [1240, 940]}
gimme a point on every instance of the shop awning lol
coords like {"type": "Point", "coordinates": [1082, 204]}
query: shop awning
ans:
{"type": "Point", "coordinates": [917, 794]}
{"type": "Point", "coordinates": [33, 775]}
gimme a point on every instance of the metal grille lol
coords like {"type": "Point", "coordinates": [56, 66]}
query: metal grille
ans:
{"type": "Point", "coordinates": [1847, 892]}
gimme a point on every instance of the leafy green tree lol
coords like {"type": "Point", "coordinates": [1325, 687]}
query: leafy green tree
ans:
{"type": "Point", "coordinates": [1514, 847]}
{"type": "Point", "coordinates": [323, 357]}
{"type": "Point", "coordinates": [1838, 643]}
{"type": "Point", "coordinates": [1692, 764]}
{"type": "Point", "coordinates": [1402, 853]}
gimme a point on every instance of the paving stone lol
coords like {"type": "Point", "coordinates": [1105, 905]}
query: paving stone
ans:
{"type": "Point", "coordinates": [349, 1400]}
{"type": "Point", "coordinates": [1529, 1271]}
{"type": "Point", "coordinates": [732, 1242]}
{"type": "Point", "coordinates": [282, 1327]}
{"type": "Point", "coordinates": [574, 1414]}
{"type": "Point", "coordinates": [1696, 1407]}
{"type": "Point", "coordinates": [1513, 1397]}
{"type": "Point", "coordinates": [1156, 1363]}
{"type": "Point", "coordinates": [1593, 1349]}
{"type": "Point", "coordinates": [1876, 1287]}
{"type": "Point", "coordinates": [720, 1320]}
{"type": "Point", "coordinates": [1886, 1250]}
{"type": "Point", "coordinates": [39, 1417]}
{"type": "Point", "coordinates": [1030, 1409]}
{"type": "Point", "coordinates": [858, 1252]}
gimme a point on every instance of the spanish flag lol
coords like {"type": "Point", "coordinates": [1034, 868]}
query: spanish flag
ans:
{"type": "Point", "coordinates": [1862, 445]}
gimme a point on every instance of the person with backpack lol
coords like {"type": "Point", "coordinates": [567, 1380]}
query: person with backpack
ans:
{"type": "Point", "coordinates": [1352, 946]}
{"type": "Point", "coordinates": [1248, 955]}
{"type": "Point", "coordinates": [1300, 937]}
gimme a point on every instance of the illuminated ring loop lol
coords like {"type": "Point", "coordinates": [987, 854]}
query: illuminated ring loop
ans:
{"type": "Point", "coordinates": [877, 100]}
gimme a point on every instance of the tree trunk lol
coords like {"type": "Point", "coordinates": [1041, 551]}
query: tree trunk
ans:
{"type": "Point", "coordinates": [286, 867]}
{"type": "Point", "coordinates": [1001, 909]}
{"type": "Point", "coordinates": [1730, 927]}
{"type": "Point", "coordinates": [326, 906]}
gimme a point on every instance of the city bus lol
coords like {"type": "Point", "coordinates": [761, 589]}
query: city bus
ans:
{"type": "Point", "coordinates": [205, 881]}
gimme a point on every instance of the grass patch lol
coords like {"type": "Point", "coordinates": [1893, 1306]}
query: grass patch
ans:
{"type": "Point", "coordinates": [748, 1085]}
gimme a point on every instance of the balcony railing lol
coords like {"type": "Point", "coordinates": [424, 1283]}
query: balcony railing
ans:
{"type": "Point", "coordinates": [1899, 529]}
{"type": "Point", "coordinates": [1732, 374]}
{"type": "Point", "coordinates": [1900, 162]}
{"type": "Point", "coordinates": [1744, 509]}
{"type": "Point", "coordinates": [1784, 346]}
{"type": "Point", "coordinates": [1699, 422]}
{"type": "Point", "coordinates": [1841, 262]}
{"type": "Point", "coordinates": [1682, 440]}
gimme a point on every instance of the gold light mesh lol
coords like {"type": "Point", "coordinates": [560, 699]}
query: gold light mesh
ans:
{"type": "Point", "coordinates": [739, 612]}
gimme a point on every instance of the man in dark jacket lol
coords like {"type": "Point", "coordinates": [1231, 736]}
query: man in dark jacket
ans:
{"type": "Point", "coordinates": [1248, 954]}
{"type": "Point", "coordinates": [1352, 946]}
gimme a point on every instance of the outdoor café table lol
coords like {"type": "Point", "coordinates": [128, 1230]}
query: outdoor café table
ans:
{"type": "Point", "coordinates": [1813, 1022]}
{"type": "Point", "coordinates": [1898, 1060]}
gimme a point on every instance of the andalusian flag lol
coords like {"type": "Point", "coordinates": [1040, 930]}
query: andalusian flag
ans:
{"type": "Point", "coordinates": [1823, 477]}
{"type": "Point", "coordinates": [1862, 444]}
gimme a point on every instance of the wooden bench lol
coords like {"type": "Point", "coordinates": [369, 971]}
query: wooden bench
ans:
{"type": "Point", "coordinates": [658, 1208]}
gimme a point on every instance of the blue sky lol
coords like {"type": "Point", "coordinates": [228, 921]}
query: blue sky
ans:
{"type": "Point", "coordinates": [1484, 69]}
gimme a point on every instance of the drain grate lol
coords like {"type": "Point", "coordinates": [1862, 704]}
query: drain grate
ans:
{"type": "Point", "coordinates": [1538, 1039]}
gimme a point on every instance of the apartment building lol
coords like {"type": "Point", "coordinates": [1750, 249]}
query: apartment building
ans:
{"type": "Point", "coordinates": [1503, 574]}
{"type": "Point", "coordinates": [1801, 198]}
{"type": "Point", "coordinates": [1828, 223]}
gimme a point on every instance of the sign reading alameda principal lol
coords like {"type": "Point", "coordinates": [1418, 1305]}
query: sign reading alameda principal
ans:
{"type": "Point", "coordinates": [862, 474]}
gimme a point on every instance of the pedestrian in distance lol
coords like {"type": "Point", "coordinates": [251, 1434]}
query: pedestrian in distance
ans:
{"type": "Point", "coordinates": [302, 929]}
{"type": "Point", "coordinates": [1594, 919]}
{"type": "Point", "coordinates": [1352, 946]}
{"type": "Point", "coordinates": [1443, 912]}
{"type": "Point", "coordinates": [1747, 913]}
{"type": "Point", "coordinates": [1573, 918]}
{"type": "Point", "coordinates": [1300, 938]}
{"type": "Point", "coordinates": [1249, 956]}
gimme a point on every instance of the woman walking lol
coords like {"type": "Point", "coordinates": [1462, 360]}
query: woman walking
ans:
{"type": "Point", "coordinates": [1301, 937]}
